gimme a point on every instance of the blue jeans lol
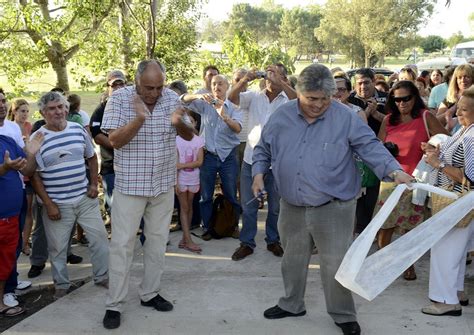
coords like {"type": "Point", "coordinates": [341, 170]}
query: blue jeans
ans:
{"type": "Point", "coordinates": [249, 210]}
{"type": "Point", "coordinates": [228, 170]}
{"type": "Point", "coordinates": [108, 182]}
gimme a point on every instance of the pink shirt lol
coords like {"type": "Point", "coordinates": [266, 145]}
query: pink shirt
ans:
{"type": "Point", "coordinates": [187, 153]}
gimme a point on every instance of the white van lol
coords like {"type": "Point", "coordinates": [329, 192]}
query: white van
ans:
{"type": "Point", "coordinates": [463, 50]}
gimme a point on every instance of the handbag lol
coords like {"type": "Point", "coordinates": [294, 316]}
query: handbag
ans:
{"type": "Point", "coordinates": [438, 202]}
{"type": "Point", "coordinates": [369, 179]}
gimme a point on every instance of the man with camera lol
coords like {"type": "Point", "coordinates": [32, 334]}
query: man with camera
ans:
{"type": "Point", "coordinates": [220, 124]}
{"type": "Point", "coordinates": [372, 101]}
{"type": "Point", "coordinates": [259, 106]}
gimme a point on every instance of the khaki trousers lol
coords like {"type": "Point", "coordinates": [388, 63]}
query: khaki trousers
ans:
{"type": "Point", "coordinates": [127, 212]}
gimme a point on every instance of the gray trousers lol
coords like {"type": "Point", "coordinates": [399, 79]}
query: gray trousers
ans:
{"type": "Point", "coordinates": [39, 244]}
{"type": "Point", "coordinates": [330, 228]}
{"type": "Point", "coordinates": [85, 212]}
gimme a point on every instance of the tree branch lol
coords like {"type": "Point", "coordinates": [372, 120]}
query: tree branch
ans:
{"type": "Point", "coordinates": [69, 25]}
{"type": "Point", "coordinates": [56, 9]}
{"type": "Point", "coordinates": [134, 16]}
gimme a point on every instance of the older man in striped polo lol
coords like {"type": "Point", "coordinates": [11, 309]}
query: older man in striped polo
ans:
{"type": "Point", "coordinates": [65, 193]}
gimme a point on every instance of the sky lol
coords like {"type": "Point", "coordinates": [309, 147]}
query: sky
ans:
{"type": "Point", "coordinates": [444, 22]}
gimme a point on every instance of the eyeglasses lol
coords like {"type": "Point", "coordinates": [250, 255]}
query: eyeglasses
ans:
{"type": "Point", "coordinates": [341, 89]}
{"type": "Point", "coordinates": [117, 84]}
{"type": "Point", "coordinates": [404, 99]}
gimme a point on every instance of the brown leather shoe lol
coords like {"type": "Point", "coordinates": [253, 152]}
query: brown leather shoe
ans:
{"type": "Point", "coordinates": [275, 248]}
{"type": "Point", "coordinates": [242, 252]}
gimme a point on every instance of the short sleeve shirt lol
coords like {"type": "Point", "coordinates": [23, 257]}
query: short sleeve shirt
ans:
{"type": "Point", "coordinates": [146, 166]}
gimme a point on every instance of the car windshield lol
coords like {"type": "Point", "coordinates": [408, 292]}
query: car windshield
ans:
{"type": "Point", "coordinates": [463, 52]}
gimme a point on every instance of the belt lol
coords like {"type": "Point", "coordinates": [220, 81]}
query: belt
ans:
{"type": "Point", "coordinates": [210, 152]}
{"type": "Point", "coordinates": [324, 204]}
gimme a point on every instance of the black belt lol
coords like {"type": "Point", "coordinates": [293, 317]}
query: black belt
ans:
{"type": "Point", "coordinates": [210, 152]}
{"type": "Point", "coordinates": [326, 203]}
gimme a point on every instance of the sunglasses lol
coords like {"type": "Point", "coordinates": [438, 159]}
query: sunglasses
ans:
{"type": "Point", "coordinates": [404, 99]}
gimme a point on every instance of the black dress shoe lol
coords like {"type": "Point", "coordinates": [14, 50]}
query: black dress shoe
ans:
{"type": "Point", "coordinates": [111, 319]}
{"type": "Point", "coordinates": [276, 312]}
{"type": "Point", "coordinates": [160, 304]}
{"type": "Point", "coordinates": [35, 271]}
{"type": "Point", "coordinates": [349, 328]}
{"type": "Point", "coordinates": [74, 259]}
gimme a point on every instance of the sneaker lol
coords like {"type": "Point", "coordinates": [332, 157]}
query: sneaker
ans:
{"type": "Point", "coordinates": [35, 271]}
{"type": "Point", "coordinates": [111, 319]}
{"type": "Point", "coordinates": [60, 292]}
{"type": "Point", "coordinates": [160, 304]}
{"type": "Point", "coordinates": [10, 300]}
{"type": "Point", "coordinates": [23, 284]}
{"type": "Point", "coordinates": [74, 259]}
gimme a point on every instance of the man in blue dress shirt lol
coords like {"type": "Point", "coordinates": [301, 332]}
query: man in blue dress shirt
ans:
{"type": "Point", "coordinates": [309, 143]}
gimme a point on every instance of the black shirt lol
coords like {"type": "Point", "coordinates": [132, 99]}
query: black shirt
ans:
{"type": "Point", "coordinates": [107, 155]}
{"type": "Point", "coordinates": [381, 99]}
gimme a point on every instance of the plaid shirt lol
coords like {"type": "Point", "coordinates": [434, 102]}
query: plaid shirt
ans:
{"type": "Point", "coordinates": [146, 166]}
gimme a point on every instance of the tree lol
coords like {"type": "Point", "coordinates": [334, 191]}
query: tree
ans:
{"type": "Point", "coordinates": [211, 31]}
{"type": "Point", "coordinates": [124, 39]}
{"type": "Point", "coordinates": [297, 31]}
{"type": "Point", "coordinates": [455, 39]}
{"type": "Point", "coordinates": [376, 27]}
{"type": "Point", "coordinates": [39, 33]}
{"type": "Point", "coordinates": [433, 43]}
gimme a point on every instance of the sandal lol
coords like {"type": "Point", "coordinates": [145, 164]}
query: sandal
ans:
{"type": "Point", "coordinates": [409, 273]}
{"type": "Point", "coordinates": [12, 311]}
{"type": "Point", "coordinates": [182, 244]}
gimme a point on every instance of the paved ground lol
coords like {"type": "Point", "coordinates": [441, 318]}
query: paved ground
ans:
{"type": "Point", "coordinates": [214, 295]}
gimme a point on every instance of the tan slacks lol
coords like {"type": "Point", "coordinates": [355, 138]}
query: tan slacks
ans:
{"type": "Point", "coordinates": [127, 212]}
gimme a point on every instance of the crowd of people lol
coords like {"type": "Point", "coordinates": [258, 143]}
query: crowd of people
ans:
{"type": "Point", "coordinates": [323, 150]}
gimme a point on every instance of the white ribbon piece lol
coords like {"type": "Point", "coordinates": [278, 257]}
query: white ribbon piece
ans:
{"type": "Point", "coordinates": [369, 276]}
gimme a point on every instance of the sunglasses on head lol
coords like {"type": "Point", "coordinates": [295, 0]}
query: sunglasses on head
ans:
{"type": "Point", "coordinates": [404, 99]}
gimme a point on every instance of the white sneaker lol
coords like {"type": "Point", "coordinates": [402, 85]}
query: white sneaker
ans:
{"type": "Point", "coordinates": [23, 284]}
{"type": "Point", "coordinates": [9, 299]}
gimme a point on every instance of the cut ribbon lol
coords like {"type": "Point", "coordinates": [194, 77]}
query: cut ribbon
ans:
{"type": "Point", "coordinates": [369, 276]}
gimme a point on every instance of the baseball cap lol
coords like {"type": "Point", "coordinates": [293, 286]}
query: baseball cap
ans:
{"type": "Point", "coordinates": [115, 75]}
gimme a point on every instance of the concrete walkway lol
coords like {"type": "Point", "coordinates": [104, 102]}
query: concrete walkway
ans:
{"type": "Point", "coordinates": [214, 295]}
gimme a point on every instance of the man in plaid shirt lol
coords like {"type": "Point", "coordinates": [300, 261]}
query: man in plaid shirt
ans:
{"type": "Point", "coordinates": [142, 121]}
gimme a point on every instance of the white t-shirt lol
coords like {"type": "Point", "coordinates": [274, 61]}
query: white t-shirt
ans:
{"type": "Point", "coordinates": [259, 109]}
{"type": "Point", "coordinates": [11, 129]}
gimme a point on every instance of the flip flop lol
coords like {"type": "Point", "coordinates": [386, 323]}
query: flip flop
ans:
{"type": "Point", "coordinates": [12, 311]}
{"type": "Point", "coordinates": [182, 244]}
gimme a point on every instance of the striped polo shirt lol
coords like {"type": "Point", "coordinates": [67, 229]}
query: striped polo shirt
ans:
{"type": "Point", "coordinates": [61, 163]}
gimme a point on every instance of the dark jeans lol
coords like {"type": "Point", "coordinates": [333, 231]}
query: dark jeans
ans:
{"type": "Point", "coordinates": [228, 171]}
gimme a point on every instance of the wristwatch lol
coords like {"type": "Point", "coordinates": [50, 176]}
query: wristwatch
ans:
{"type": "Point", "coordinates": [394, 174]}
{"type": "Point", "coordinates": [441, 166]}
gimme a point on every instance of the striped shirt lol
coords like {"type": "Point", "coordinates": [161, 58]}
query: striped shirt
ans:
{"type": "Point", "coordinates": [458, 151]}
{"type": "Point", "coordinates": [146, 166]}
{"type": "Point", "coordinates": [61, 163]}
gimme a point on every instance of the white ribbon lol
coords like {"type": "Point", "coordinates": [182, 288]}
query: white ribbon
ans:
{"type": "Point", "coordinates": [369, 276]}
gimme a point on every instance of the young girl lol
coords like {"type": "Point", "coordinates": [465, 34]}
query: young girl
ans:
{"type": "Point", "coordinates": [190, 158]}
{"type": "Point", "coordinates": [18, 112]}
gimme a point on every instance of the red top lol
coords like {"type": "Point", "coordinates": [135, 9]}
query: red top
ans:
{"type": "Point", "coordinates": [408, 136]}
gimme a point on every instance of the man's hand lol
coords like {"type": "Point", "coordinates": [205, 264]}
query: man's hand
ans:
{"type": "Point", "coordinates": [92, 191]}
{"type": "Point", "coordinates": [275, 76]}
{"type": "Point", "coordinates": [400, 177]}
{"type": "Point", "coordinates": [371, 107]}
{"type": "Point", "coordinates": [177, 116]}
{"type": "Point", "coordinates": [258, 185]}
{"type": "Point", "coordinates": [33, 146]}
{"type": "Point", "coordinates": [140, 108]}
{"type": "Point", "coordinates": [53, 211]}
{"type": "Point", "coordinates": [15, 164]}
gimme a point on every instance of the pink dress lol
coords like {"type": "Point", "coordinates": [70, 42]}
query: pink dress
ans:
{"type": "Point", "coordinates": [188, 152]}
{"type": "Point", "coordinates": [408, 136]}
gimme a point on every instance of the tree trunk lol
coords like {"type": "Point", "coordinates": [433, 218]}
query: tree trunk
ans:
{"type": "Point", "coordinates": [56, 57]}
{"type": "Point", "coordinates": [366, 57]}
{"type": "Point", "coordinates": [125, 31]}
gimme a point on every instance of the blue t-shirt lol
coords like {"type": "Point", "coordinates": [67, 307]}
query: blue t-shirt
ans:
{"type": "Point", "coordinates": [11, 187]}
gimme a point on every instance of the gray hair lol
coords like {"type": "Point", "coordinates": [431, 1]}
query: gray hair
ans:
{"type": "Point", "coordinates": [52, 96]}
{"type": "Point", "coordinates": [222, 77]}
{"type": "Point", "coordinates": [178, 86]}
{"type": "Point", "coordinates": [316, 77]}
{"type": "Point", "coordinates": [142, 66]}
{"type": "Point", "coordinates": [240, 71]}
